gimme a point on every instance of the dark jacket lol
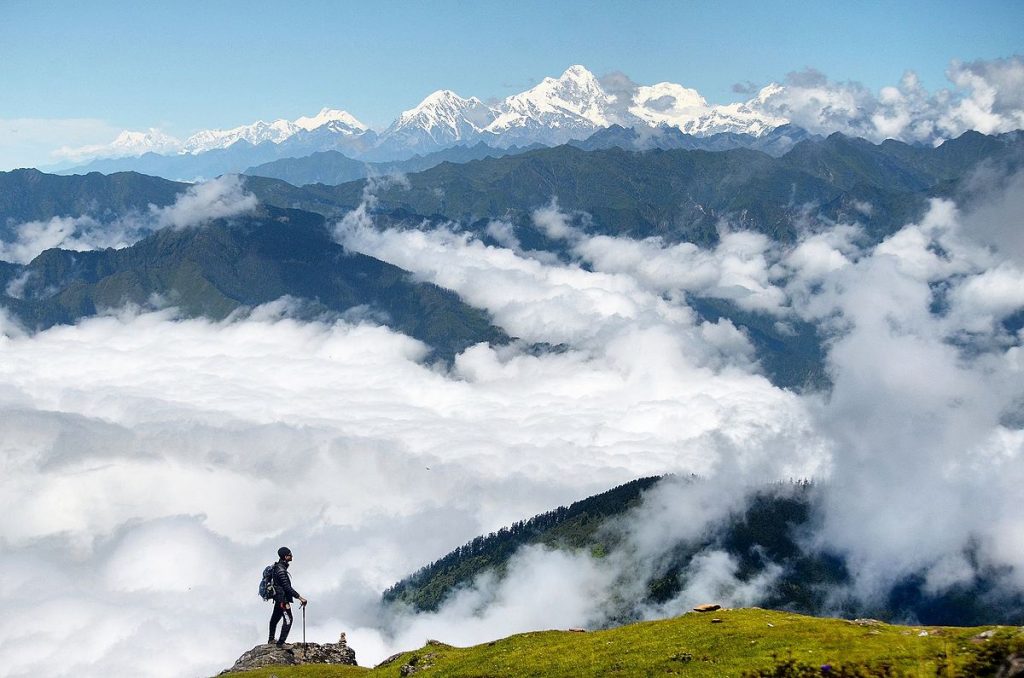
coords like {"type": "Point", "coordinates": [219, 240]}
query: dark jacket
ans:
{"type": "Point", "coordinates": [283, 591]}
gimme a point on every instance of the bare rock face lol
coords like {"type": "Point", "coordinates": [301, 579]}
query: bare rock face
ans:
{"type": "Point", "coordinates": [310, 653]}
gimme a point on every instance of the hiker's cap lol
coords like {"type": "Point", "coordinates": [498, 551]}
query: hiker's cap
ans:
{"type": "Point", "coordinates": [283, 551]}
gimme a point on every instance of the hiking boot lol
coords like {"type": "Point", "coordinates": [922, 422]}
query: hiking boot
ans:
{"type": "Point", "coordinates": [287, 647]}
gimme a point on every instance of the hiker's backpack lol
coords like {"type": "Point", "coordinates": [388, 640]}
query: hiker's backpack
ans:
{"type": "Point", "coordinates": [267, 589]}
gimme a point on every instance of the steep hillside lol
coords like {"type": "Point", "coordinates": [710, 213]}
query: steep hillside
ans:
{"type": "Point", "coordinates": [215, 269]}
{"type": "Point", "coordinates": [765, 533]}
{"type": "Point", "coordinates": [572, 527]}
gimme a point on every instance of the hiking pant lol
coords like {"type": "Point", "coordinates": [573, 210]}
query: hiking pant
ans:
{"type": "Point", "coordinates": [280, 613]}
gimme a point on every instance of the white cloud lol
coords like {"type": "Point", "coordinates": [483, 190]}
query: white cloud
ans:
{"type": "Point", "coordinates": [331, 438]}
{"type": "Point", "coordinates": [216, 199]}
{"type": "Point", "coordinates": [985, 97]}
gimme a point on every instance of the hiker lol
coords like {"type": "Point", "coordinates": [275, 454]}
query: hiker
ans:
{"type": "Point", "coordinates": [284, 594]}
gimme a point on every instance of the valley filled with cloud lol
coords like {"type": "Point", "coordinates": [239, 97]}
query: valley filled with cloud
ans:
{"type": "Point", "coordinates": [155, 462]}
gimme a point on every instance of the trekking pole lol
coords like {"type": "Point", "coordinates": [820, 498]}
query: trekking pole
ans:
{"type": "Point", "coordinates": [303, 630]}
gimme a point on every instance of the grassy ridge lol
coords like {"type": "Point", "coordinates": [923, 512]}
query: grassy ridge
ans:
{"type": "Point", "coordinates": [691, 645]}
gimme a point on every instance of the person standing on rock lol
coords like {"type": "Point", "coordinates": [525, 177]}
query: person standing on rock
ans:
{"type": "Point", "coordinates": [284, 594]}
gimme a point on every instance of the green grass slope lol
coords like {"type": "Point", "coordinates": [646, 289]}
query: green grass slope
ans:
{"type": "Point", "coordinates": [743, 642]}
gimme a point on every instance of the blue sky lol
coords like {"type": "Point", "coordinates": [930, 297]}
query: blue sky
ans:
{"type": "Point", "coordinates": [184, 66]}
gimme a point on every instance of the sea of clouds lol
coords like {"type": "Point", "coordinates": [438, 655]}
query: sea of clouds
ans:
{"type": "Point", "coordinates": [153, 464]}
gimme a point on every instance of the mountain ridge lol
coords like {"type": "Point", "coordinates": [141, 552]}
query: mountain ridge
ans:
{"type": "Point", "coordinates": [226, 265]}
{"type": "Point", "coordinates": [570, 107]}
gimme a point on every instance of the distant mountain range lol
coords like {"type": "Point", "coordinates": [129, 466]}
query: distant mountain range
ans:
{"type": "Point", "coordinates": [680, 194]}
{"type": "Point", "coordinates": [291, 160]}
{"type": "Point", "coordinates": [333, 167]}
{"type": "Point", "coordinates": [677, 195]}
{"type": "Point", "coordinates": [571, 107]}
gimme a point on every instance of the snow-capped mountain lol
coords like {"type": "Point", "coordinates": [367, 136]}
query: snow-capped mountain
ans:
{"type": "Point", "coordinates": [667, 103]}
{"type": "Point", "coordinates": [339, 121]}
{"type": "Point", "coordinates": [325, 124]}
{"type": "Point", "coordinates": [126, 144]}
{"type": "Point", "coordinates": [256, 133]}
{"type": "Point", "coordinates": [572, 106]}
{"type": "Point", "coordinates": [275, 132]}
{"type": "Point", "coordinates": [442, 119]}
{"type": "Point", "coordinates": [676, 106]}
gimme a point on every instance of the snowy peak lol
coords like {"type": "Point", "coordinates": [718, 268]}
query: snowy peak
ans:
{"type": "Point", "coordinates": [446, 109]}
{"type": "Point", "coordinates": [141, 142]}
{"type": "Point", "coordinates": [275, 132]}
{"type": "Point", "coordinates": [127, 144]}
{"type": "Point", "coordinates": [256, 133]}
{"type": "Point", "coordinates": [570, 105]}
{"type": "Point", "coordinates": [341, 120]}
{"type": "Point", "coordinates": [666, 103]}
{"type": "Point", "coordinates": [442, 119]}
{"type": "Point", "coordinates": [670, 104]}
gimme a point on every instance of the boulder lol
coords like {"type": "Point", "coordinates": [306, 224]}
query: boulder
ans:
{"type": "Point", "coordinates": [311, 653]}
{"type": "Point", "coordinates": [983, 636]}
{"type": "Point", "coordinates": [866, 622]}
{"type": "Point", "coordinates": [707, 607]}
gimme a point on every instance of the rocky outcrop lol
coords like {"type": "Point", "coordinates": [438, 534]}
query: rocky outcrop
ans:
{"type": "Point", "coordinates": [309, 653]}
{"type": "Point", "coordinates": [417, 661]}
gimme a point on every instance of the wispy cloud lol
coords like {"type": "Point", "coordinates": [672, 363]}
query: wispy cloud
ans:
{"type": "Point", "coordinates": [31, 142]}
{"type": "Point", "coordinates": [201, 203]}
